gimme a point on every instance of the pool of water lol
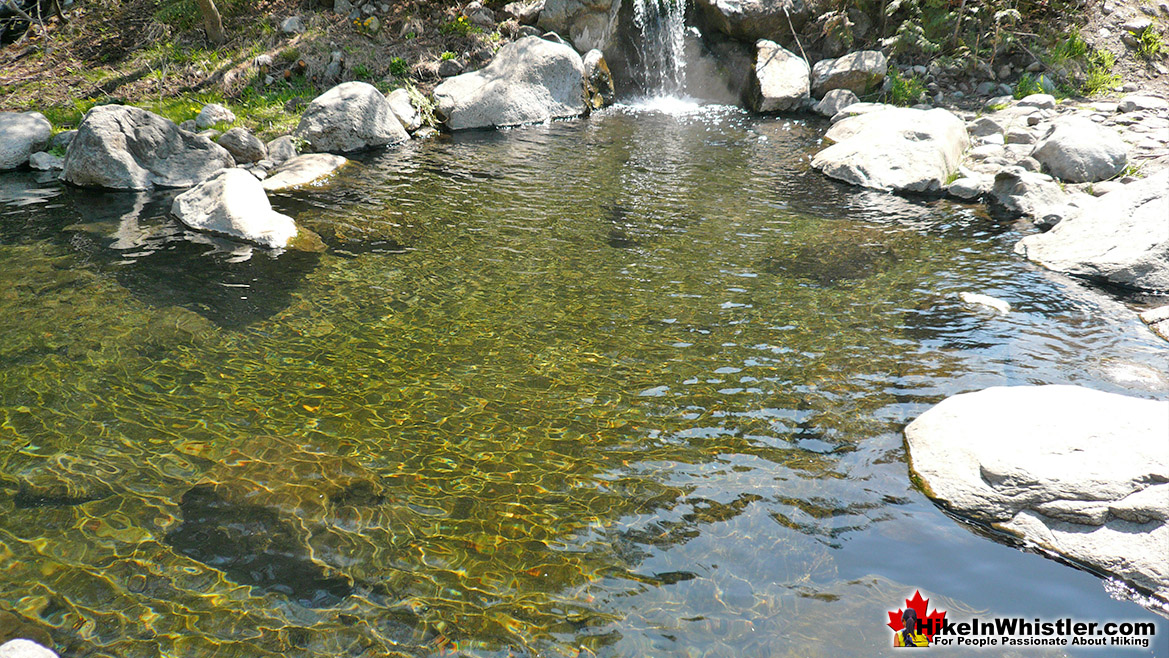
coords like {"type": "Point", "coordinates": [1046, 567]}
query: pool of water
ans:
{"type": "Point", "coordinates": [632, 385]}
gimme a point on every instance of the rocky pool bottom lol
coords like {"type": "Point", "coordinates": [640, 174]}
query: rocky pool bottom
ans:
{"type": "Point", "coordinates": [634, 383]}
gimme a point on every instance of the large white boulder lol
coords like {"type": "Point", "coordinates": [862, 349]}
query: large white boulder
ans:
{"type": "Point", "coordinates": [529, 80]}
{"type": "Point", "coordinates": [895, 148]}
{"type": "Point", "coordinates": [859, 72]}
{"type": "Point", "coordinates": [1079, 150]}
{"type": "Point", "coordinates": [21, 135]}
{"type": "Point", "coordinates": [353, 116]}
{"type": "Point", "coordinates": [25, 649]}
{"type": "Point", "coordinates": [1121, 237]}
{"type": "Point", "coordinates": [127, 148]}
{"type": "Point", "coordinates": [781, 78]}
{"type": "Point", "coordinates": [232, 203]}
{"type": "Point", "coordinates": [1080, 472]}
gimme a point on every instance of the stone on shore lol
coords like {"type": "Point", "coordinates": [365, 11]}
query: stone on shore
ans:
{"type": "Point", "coordinates": [1080, 472]}
{"type": "Point", "coordinates": [1121, 238]}
{"type": "Point", "coordinates": [588, 24]}
{"type": "Point", "coordinates": [1018, 192]}
{"type": "Point", "coordinates": [243, 145]}
{"type": "Point", "coordinates": [127, 148]}
{"type": "Point", "coordinates": [835, 101]}
{"type": "Point", "coordinates": [232, 203]}
{"type": "Point", "coordinates": [353, 116]}
{"type": "Point", "coordinates": [781, 78]}
{"type": "Point", "coordinates": [894, 148]}
{"type": "Point", "coordinates": [25, 649]}
{"type": "Point", "coordinates": [859, 72]}
{"type": "Point", "coordinates": [21, 135]}
{"type": "Point", "coordinates": [1079, 150]}
{"type": "Point", "coordinates": [1135, 102]}
{"type": "Point", "coordinates": [281, 149]}
{"type": "Point", "coordinates": [529, 81]}
{"type": "Point", "coordinates": [303, 170]}
{"type": "Point", "coordinates": [403, 108]}
{"type": "Point", "coordinates": [212, 114]}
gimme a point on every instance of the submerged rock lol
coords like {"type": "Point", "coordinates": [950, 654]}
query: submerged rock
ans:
{"type": "Point", "coordinates": [1121, 238]}
{"type": "Point", "coordinates": [529, 81]}
{"type": "Point", "coordinates": [1079, 150]}
{"type": "Point", "coordinates": [232, 203]}
{"type": "Point", "coordinates": [1158, 320]}
{"type": "Point", "coordinates": [1080, 472]}
{"type": "Point", "coordinates": [127, 148]}
{"type": "Point", "coordinates": [303, 170]}
{"type": "Point", "coordinates": [781, 78]}
{"type": "Point", "coordinates": [352, 116]}
{"type": "Point", "coordinates": [892, 148]}
{"type": "Point", "coordinates": [859, 72]}
{"type": "Point", "coordinates": [21, 135]}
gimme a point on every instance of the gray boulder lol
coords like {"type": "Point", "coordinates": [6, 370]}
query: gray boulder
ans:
{"type": "Point", "coordinates": [1121, 237]}
{"type": "Point", "coordinates": [292, 25]}
{"type": "Point", "coordinates": [211, 114]}
{"type": "Point", "coordinates": [969, 188]}
{"type": "Point", "coordinates": [529, 81]}
{"type": "Point", "coordinates": [45, 161]}
{"type": "Point", "coordinates": [525, 13]}
{"type": "Point", "coordinates": [62, 139]}
{"type": "Point", "coordinates": [303, 170]}
{"type": "Point", "coordinates": [243, 145]}
{"type": "Point", "coordinates": [349, 117]}
{"type": "Point", "coordinates": [232, 203]}
{"type": "Point", "coordinates": [128, 148]}
{"type": "Point", "coordinates": [403, 108]}
{"type": "Point", "coordinates": [859, 72]}
{"type": "Point", "coordinates": [1079, 472]}
{"type": "Point", "coordinates": [1079, 150]}
{"type": "Point", "coordinates": [282, 149]}
{"type": "Point", "coordinates": [598, 80]}
{"type": "Point", "coordinates": [21, 135]}
{"type": "Point", "coordinates": [781, 78]}
{"type": "Point", "coordinates": [1017, 191]}
{"type": "Point", "coordinates": [25, 649]}
{"type": "Point", "coordinates": [587, 24]}
{"type": "Point", "coordinates": [1039, 101]}
{"type": "Point", "coordinates": [835, 101]}
{"type": "Point", "coordinates": [751, 20]}
{"type": "Point", "coordinates": [895, 148]}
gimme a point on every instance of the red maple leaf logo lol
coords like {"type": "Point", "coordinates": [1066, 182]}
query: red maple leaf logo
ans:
{"type": "Point", "coordinates": [929, 623]}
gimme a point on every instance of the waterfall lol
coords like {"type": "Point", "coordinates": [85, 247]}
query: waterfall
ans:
{"type": "Point", "coordinates": [660, 45]}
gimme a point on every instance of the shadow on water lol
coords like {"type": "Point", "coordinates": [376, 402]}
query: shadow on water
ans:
{"type": "Point", "coordinates": [132, 237]}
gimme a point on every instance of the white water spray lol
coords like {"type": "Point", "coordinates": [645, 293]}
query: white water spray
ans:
{"type": "Point", "coordinates": [661, 45]}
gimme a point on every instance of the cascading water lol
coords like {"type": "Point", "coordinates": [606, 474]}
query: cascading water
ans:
{"type": "Point", "coordinates": [660, 46]}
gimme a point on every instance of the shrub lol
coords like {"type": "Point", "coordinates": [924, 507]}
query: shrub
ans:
{"type": "Point", "coordinates": [1149, 43]}
{"type": "Point", "coordinates": [904, 90]}
{"type": "Point", "coordinates": [1100, 77]}
{"type": "Point", "coordinates": [399, 68]}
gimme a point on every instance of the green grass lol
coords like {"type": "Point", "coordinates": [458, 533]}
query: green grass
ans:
{"type": "Point", "coordinates": [461, 26]}
{"type": "Point", "coordinates": [1150, 43]}
{"type": "Point", "coordinates": [904, 90]}
{"type": "Point", "coordinates": [185, 14]}
{"type": "Point", "coordinates": [1074, 48]}
{"type": "Point", "coordinates": [448, 55]}
{"type": "Point", "coordinates": [1100, 77]}
{"type": "Point", "coordinates": [399, 67]}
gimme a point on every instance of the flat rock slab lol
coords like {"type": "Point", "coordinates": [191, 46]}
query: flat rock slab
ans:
{"type": "Point", "coordinates": [895, 148]}
{"type": "Point", "coordinates": [1121, 238]}
{"type": "Point", "coordinates": [303, 170]}
{"type": "Point", "coordinates": [1080, 472]}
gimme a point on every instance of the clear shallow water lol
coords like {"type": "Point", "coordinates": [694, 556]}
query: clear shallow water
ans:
{"type": "Point", "coordinates": [634, 383]}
